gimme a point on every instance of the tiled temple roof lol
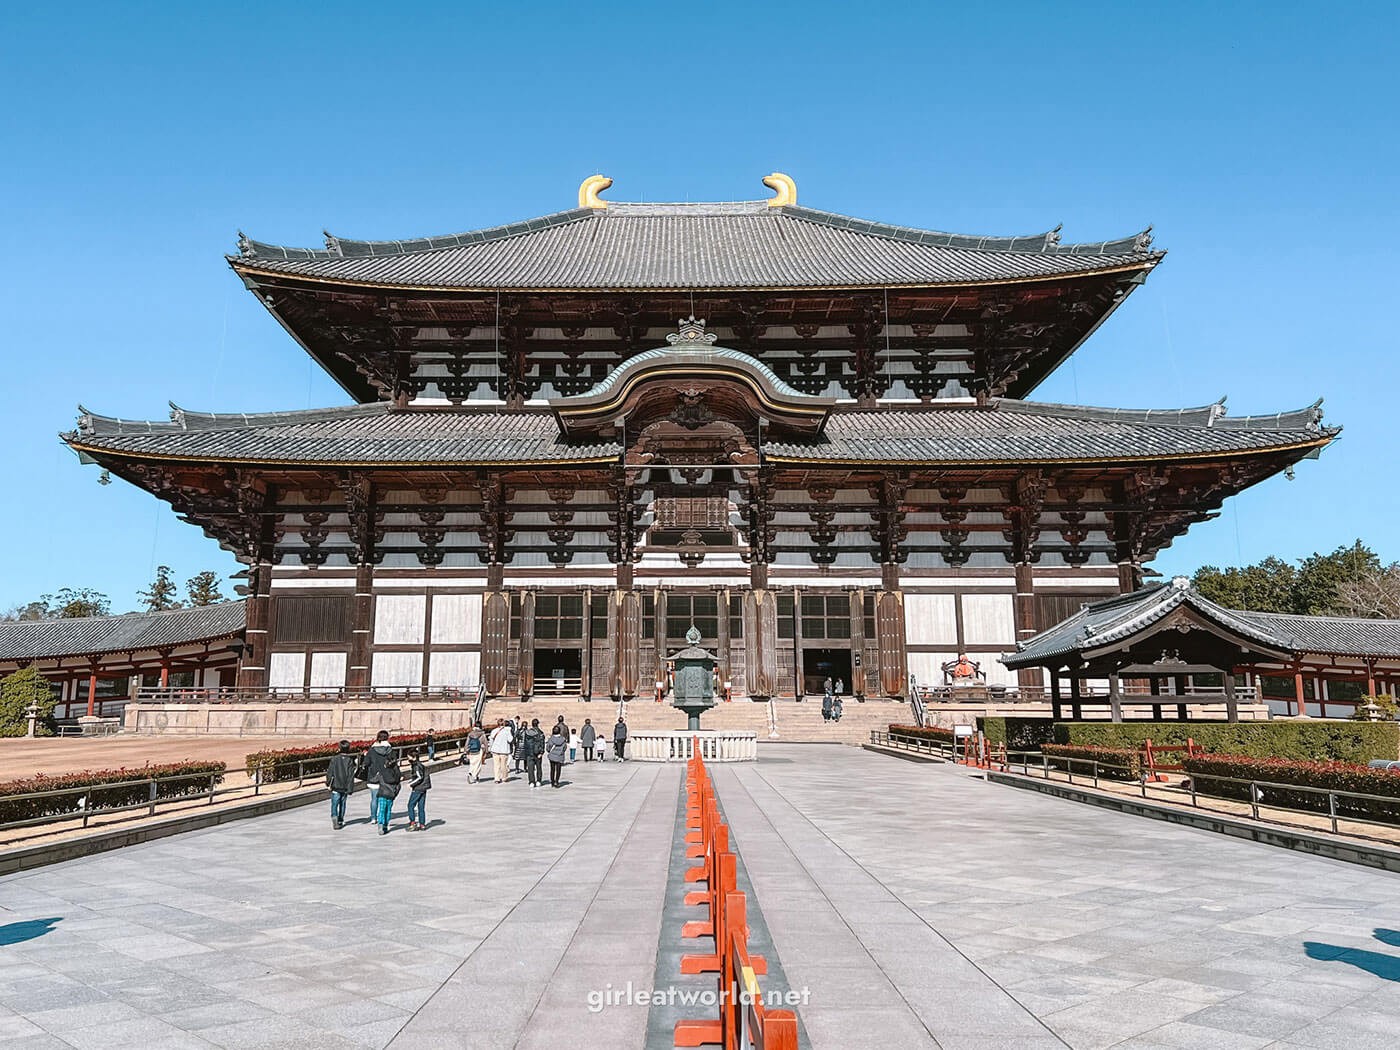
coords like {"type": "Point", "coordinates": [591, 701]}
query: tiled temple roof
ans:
{"type": "Point", "coordinates": [94, 635]}
{"type": "Point", "coordinates": [746, 244]}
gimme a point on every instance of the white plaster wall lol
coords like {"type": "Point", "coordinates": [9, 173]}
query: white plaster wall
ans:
{"type": "Point", "coordinates": [462, 670]}
{"type": "Point", "coordinates": [931, 619]}
{"type": "Point", "coordinates": [328, 670]}
{"type": "Point", "coordinates": [456, 619]}
{"type": "Point", "coordinates": [396, 670]}
{"type": "Point", "coordinates": [286, 670]}
{"type": "Point", "coordinates": [988, 619]}
{"type": "Point", "coordinates": [400, 619]}
{"type": "Point", "coordinates": [927, 668]}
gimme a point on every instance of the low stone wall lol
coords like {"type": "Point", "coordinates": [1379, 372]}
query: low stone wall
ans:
{"type": "Point", "coordinates": [715, 746]}
{"type": "Point", "coordinates": [947, 715]}
{"type": "Point", "coordinates": [331, 720]}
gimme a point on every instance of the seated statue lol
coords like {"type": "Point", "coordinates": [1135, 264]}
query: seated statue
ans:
{"type": "Point", "coordinates": [962, 671]}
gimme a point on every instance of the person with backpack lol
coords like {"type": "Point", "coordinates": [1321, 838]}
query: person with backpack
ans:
{"type": "Point", "coordinates": [340, 778]}
{"type": "Point", "coordinates": [557, 749]}
{"type": "Point", "coordinates": [586, 738]}
{"type": "Point", "coordinates": [389, 781]}
{"type": "Point", "coordinates": [474, 753]}
{"type": "Point", "coordinates": [620, 738]}
{"type": "Point", "coordinates": [430, 743]}
{"type": "Point", "coordinates": [418, 784]}
{"type": "Point", "coordinates": [502, 743]}
{"type": "Point", "coordinates": [371, 770]}
{"type": "Point", "coordinates": [534, 745]}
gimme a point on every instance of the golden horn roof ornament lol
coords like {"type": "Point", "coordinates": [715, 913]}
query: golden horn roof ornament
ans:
{"type": "Point", "coordinates": [589, 189]}
{"type": "Point", "coordinates": [784, 190]}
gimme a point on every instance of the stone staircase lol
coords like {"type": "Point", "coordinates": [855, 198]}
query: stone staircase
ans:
{"type": "Point", "coordinates": [797, 722]}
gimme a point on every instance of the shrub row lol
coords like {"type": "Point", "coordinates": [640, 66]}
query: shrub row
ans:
{"type": "Point", "coordinates": [1018, 734]}
{"type": "Point", "coordinates": [1304, 740]}
{"type": "Point", "coordinates": [290, 762]}
{"type": "Point", "coordinates": [1329, 776]}
{"type": "Point", "coordinates": [111, 788]}
{"type": "Point", "coordinates": [942, 736]}
{"type": "Point", "coordinates": [1115, 763]}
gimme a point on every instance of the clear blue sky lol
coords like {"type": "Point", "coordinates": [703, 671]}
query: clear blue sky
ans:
{"type": "Point", "coordinates": [136, 139]}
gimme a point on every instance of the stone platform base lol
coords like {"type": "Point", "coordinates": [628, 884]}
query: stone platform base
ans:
{"type": "Point", "coordinates": [291, 719]}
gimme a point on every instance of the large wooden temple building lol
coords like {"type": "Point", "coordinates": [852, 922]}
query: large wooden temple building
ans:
{"type": "Point", "coordinates": [572, 437]}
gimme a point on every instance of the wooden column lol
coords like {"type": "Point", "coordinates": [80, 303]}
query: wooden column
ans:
{"type": "Point", "coordinates": [625, 637]}
{"type": "Point", "coordinates": [252, 671]}
{"type": "Point", "coordinates": [92, 694]}
{"type": "Point", "coordinates": [1232, 707]}
{"type": "Point", "coordinates": [1129, 577]}
{"type": "Point", "coordinates": [858, 643]}
{"type": "Point", "coordinates": [1370, 678]}
{"type": "Point", "coordinates": [1057, 713]}
{"type": "Point", "coordinates": [165, 670]}
{"type": "Point", "coordinates": [1023, 609]}
{"type": "Point", "coordinates": [799, 677]}
{"type": "Point", "coordinates": [1115, 698]}
{"type": "Point", "coordinates": [1298, 692]}
{"type": "Point", "coordinates": [495, 639]}
{"type": "Point", "coordinates": [585, 686]}
{"type": "Point", "coordinates": [357, 675]}
{"type": "Point", "coordinates": [722, 643]}
{"type": "Point", "coordinates": [525, 658]}
{"type": "Point", "coordinates": [760, 643]}
{"type": "Point", "coordinates": [1075, 710]}
{"type": "Point", "coordinates": [658, 638]}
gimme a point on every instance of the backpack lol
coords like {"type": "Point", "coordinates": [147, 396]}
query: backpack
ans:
{"type": "Point", "coordinates": [474, 745]}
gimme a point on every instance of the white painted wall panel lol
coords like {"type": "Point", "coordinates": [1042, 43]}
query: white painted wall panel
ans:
{"type": "Point", "coordinates": [988, 619]}
{"type": "Point", "coordinates": [462, 670]}
{"type": "Point", "coordinates": [931, 619]}
{"type": "Point", "coordinates": [400, 619]}
{"type": "Point", "coordinates": [396, 670]}
{"type": "Point", "coordinates": [927, 668]}
{"type": "Point", "coordinates": [286, 671]}
{"type": "Point", "coordinates": [456, 619]}
{"type": "Point", "coordinates": [328, 670]}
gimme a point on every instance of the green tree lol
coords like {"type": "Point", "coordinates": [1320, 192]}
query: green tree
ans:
{"type": "Point", "coordinates": [161, 593]}
{"type": "Point", "coordinates": [1264, 587]}
{"type": "Point", "coordinates": [35, 610]}
{"type": "Point", "coordinates": [70, 603]}
{"type": "Point", "coordinates": [20, 690]}
{"type": "Point", "coordinates": [203, 588]}
{"type": "Point", "coordinates": [1319, 585]}
{"type": "Point", "coordinates": [1321, 577]}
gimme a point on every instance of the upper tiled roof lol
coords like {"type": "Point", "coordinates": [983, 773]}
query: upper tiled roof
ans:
{"type": "Point", "coordinates": [94, 635]}
{"type": "Point", "coordinates": [1004, 431]}
{"type": "Point", "coordinates": [745, 244]}
{"type": "Point", "coordinates": [1113, 620]}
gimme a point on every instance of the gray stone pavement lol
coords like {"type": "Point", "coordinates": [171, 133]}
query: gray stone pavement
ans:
{"type": "Point", "coordinates": [971, 915]}
{"type": "Point", "coordinates": [917, 905]}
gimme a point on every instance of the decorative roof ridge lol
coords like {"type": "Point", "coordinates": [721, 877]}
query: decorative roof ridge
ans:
{"type": "Point", "coordinates": [1047, 243]}
{"type": "Point", "coordinates": [1196, 416]}
{"type": "Point", "coordinates": [701, 209]}
{"type": "Point", "coordinates": [92, 424]}
{"type": "Point", "coordinates": [1309, 418]}
{"type": "Point", "coordinates": [126, 617]}
{"type": "Point", "coordinates": [345, 247]}
{"type": "Point", "coordinates": [1359, 620]}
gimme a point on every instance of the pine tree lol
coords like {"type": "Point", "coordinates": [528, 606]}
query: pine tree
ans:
{"type": "Point", "coordinates": [69, 603]}
{"type": "Point", "coordinates": [20, 690]}
{"type": "Point", "coordinates": [203, 588]}
{"type": "Point", "coordinates": [161, 593]}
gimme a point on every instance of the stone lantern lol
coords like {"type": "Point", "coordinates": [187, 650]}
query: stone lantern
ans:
{"type": "Point", "coordinates": [693, 690]}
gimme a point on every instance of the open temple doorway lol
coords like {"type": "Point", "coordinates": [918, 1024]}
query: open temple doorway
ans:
{"type": "Point", "coordinates": [558, 672]}
{"type": "Point", "coordinates": [820, 664]}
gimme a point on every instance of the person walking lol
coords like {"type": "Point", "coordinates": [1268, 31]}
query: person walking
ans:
{"type": "Point", "coordinates": [574, 740]}
{"type": "Point", "coordinates": [372, 766]}
{"type": "Point", "coordinates": [826, 707]}
{"type": "Point", "coordinates": [430, 743]}
{"type": "Point", "coordinates": [557, 749]}
{"type": "Point", "coordinates": [502, 743]}
{"type": "Point", "coordinates": [340, 778]}
{"type": "Point", "coordinates": [534, 753]}
{"type": "Point", "coordinates": [840, 687]}
{"type": "Point", "coordinates": [418, 784]}
{"type": "Point", "coordinates": [475, 753]}
{"type": "Point", "coordinates": [560, 724]}
{"type": "Point", "coordinates": [586, 738]}
{"type": "Point", "coordinates": [522, 758]}
{"type": "Point", "coordinates": [389, 781]}
{"type": "Point", "coordinates": [620, 739]}
{"type": "Point", "coordinates": [836, 709]}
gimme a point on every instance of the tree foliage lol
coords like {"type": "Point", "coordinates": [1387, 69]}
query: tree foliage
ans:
{"type": "Point", "coordinates": [203, 588]}
{"type": "Point", "coordinates": [161, 593]}
{"type": "Point", "coordinates": [18, 692]}
{"type": "Point", "coordinates": [73, 602]}
{"type": "Point", "coordinates": [1341, 583]}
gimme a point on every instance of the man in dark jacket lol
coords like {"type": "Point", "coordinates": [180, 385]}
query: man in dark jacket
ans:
{"type": "Point", "coordinates": [533, 746]}
{"type": "Point", "coordinates": [340, 778]}
{"type": "Point", "coordinates": [620, 738]}
{"type": "Point", "coordinates": [586, 737]}
{"type": "Point", "coordinates": [378, 758]}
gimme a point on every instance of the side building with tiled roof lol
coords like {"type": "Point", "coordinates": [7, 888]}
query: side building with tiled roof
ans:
{"type": "Point", "coordinates": [830, 465]}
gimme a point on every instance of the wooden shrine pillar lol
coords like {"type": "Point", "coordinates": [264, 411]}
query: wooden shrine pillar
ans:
{"type": "Point", "coordinates": [1370, 678]}
{"type": "Point", "coordinates": [252, 670]}
{"type": "Point", "coordinates": [495, 639]}
{"type": "Point", "coordinates": [658, 638]}
{"type": "Point", "coordinates": [1057, 712]}
{"type": "Point", "coordinates": [761, 642]}
{"type": "Point", "coordinates": [799, 675]}
{"type": "Point", "coordinates": [1232, 707]}
{"type": "Point", "coordinates": [889, 634]}
{"type": "Point", "coordinates": [525, 657]}
{"type": "Point", "coordinates": [1023, 611]}
{"type": "Point", "coordinates": [585, 685]}
{"type": "Point", "coordinates": [858, 644]}
{"type": "Point", "coordinates": [92, 692]}
{"type": "Point", "coordinates": [357, 675]}
{"type": "Point", "coordinates": [1115, 697]}
{"type": "Point", "coordinates": [165, 669]}
{"type": "Point", "coordinates": [1129, 577]}
{"type": "Point", "coordinates": [722, 660]}
{"type": "Point", "coordinates": [1075, 710]}
{"type": "Point", "coordinates": [1298, 695]}
{"type": "Point", "coordinates": [625, 638]}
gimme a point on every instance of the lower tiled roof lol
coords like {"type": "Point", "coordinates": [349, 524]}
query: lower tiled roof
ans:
{"type": "Point", "coordinates": [94, 635]}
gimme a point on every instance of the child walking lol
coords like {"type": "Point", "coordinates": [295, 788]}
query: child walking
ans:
{"type": "Point", "coordinates": [418, 784]}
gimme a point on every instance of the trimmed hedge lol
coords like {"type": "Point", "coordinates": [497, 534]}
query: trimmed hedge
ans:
{"type": "Point", "coordinates": [1114, 763]}
{"type": "Point", "coordinates": [112, 788]}
{"type": "Point", "coordinates": [934, 733]}
{"type": "Point", "coordinates": [1308, 740]}
{"type": "Point", "coordinates": [1018, 734]}
{"type": "Point", "coordinates": [285, 763]}
{"type": "Point", "coordinates": [1329, 776]}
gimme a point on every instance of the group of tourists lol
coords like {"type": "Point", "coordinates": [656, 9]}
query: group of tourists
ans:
{"type": "Point", "coordinates": [831, 700]}
{"type": "Point", "coordinates": [509, 740]}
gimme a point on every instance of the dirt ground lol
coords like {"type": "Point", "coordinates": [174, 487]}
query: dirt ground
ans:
{"type": "Point", "coordinates": [22, 757]}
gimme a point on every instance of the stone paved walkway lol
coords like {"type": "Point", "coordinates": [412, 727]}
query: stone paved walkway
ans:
{"type": "Point", "coordinates": [918, 906]}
